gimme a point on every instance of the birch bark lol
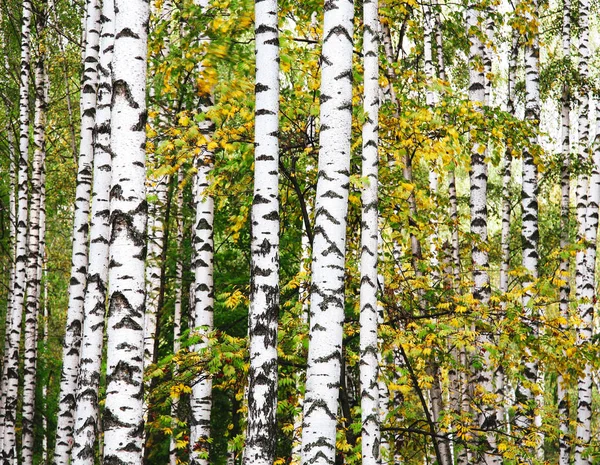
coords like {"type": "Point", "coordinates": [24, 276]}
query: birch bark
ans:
{"type": "Point", "coordinates": [264, 289]}
{"type": "Point", "coordinates": [329, 246]}
{"type": "Point", "coordinates": [369, 398]}
{"type": "Point", "coordinates": [158, 187]}
{"type": "Point", "coordinates": [79, 263]}
{"type": "Point", "coordinates": [177, 308]}
{"type": "Point", "coordinates": [564, 440]}
{"type": "Point", "coordinates": [94, 307]}
{"type": "Point", "coordinates": [203, 292]}
{"type": "Point", "coordinates": [479, 218]}
{"type": "Point", "coordinates": [33, 257]}
{"type": "Point", "coordinates": [203, 287]}
{"type": "Point", "coordinates": [10, 376]}
{"type": "Point", "coordinates": [525, 395]}
{"type": "Point", "coordinates": [587, 217]}
{"type": "Point", "coordinates": [123, 412]}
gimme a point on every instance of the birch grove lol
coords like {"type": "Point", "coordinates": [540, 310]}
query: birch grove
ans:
{"type": "Point", "coordinates": [299, 232]}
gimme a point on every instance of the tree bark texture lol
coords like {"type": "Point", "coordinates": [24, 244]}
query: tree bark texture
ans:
{"type": "Point", "coordinates": [369, 366]}
{"type": "Point", "coordinates": [10, 375]}
{"type": "Point", "coordinates": [329, 246]}
{"type": "Point", "coordinates": [79, 261]}
{"type": "Point", "coordinates": [86, 413]}
{"type": "Point", "coordinates": [123, 413]}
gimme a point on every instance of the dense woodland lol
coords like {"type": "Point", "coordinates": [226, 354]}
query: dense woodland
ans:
{"type": "Point", "coordinates": [299, 232]}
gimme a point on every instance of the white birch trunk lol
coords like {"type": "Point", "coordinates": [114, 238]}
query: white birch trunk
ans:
{"type": "Point", "coordinates": [507, 174]}
{"type": "Point", "coordinates": [33, 262]}
{"type": "Point", "coordinates": [45, 316]}
{"type": "Point", "coordinates": [587, 220]}
{"type": "Point", "coordinates": [329, 246]}
{"type": "Point", "coordinates": [202, 318]}
{"type": "Point", "coordinates": [369, 401]}
{"type": "Point", "coordinates": [94, 307]}
{"type": "Point", "coordinates": [13, 234]}
{"type": "Point", "coordinates": [264, 289]}
{"type": "Point", "coordinates": [585, 330]}
{"type": "Point", "coordinates": [478, 206]}
{"type": "Point", "coordinates": [525, 397]}
{"type": "Point", "coordinates": [505, 237]}
{"type": "Point", "coordinates": [123, 413]}
{"type": "Point", "coordinates": [304, 297]}
{"type": "Point", "coordinates": [158, 187]}
{"type": "Point", "coordinates": [564, 440]}
{"type": "Point", "coordinates": [10, 376]}
{"type": "Point", "coordinates": [202, 289]}
{"type": "Point", "coordinates": [177, 309]}
{"type": "Point", "coordinates": [79, 263]}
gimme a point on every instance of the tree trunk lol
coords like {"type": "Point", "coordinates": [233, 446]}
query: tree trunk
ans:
{"type": "Point", "coordinates": [264, 290]}
{"type": "Point", "coordinates": [201, 399]}
{"type": "Point", "coordinates": [525, 396]}
{"type": "Point", "coordinates": [10, 375]}
{"type": "Point", "coordinates": [564, 440]}
{"type": "Point", "coordinates": [478, 205]}
{"type": "Point", "coordinates": [94, 308]}
{"type": "Point", "coordinates": [33, 259]}
{"type": "Point", "coordinates": [202, 290]}
{"type": "Point", "coordinates": [123, 413]}
{"type": "Point", "coordinates": [158, 188]}
{"type": "Point", "coordinates": [587, 213]}
{"type": "Point", "coordinates": [329, 246]}
{"type": "Point", "coordinates": [79, 263]}
{"type": "Point", "coordinates": [177, 308]}
{"type": "Point", "coordinates": [369, 398]}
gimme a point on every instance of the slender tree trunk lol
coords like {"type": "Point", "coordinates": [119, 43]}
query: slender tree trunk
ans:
{"type": "Point", "coordinates": [329, 246]}
{"type": "Point", "coordinates": [488, 54]}
{"type": "Point", "coordinates": [79, 263]}
{"type": "Point", "coordinates": [94, 308]}
{"type": "Point", "coordinates": [202, 290]}
{"type": "Point", "coordinates": [478, 206]}
{"type": "Point", "coordinates": [587, 215]}
{"type": "Point", "coordinates": [33, 260]}
{"type": "Point", "coordinates": [525, 396]}
{"type": "Point", "coordinates": [177, 308]}
{"type": "Point", "coordinates": [369, 401]}
{"type": "Point", "coordinates": [564, 439]}
{"type": "Point", "coordinates": [506, 172]}
{"type": "Point", "coordinates": [264, 289]}
{"type": "Point", "coordinates": [123, 412]}
{"type": "Point", "coordinates": [158, 188]}
{"type": "Point", "coordinates": [10, 376]}
{"type": "Point", "coordinates": [45, 319]}
{"type": "Point", "coordinates": [13, 234]}
{"type": "Point", "coordinates": [201, 399]}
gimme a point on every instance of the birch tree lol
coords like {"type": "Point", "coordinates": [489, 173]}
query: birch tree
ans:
{"type": "Point", "coordinates": [86, 413]}
{"type": "Point", "coordinates": [587, 216]}
{"type": "Point", "coordinates": [158, 187]}
{"type": "Point", "coordinates": [525, 395]}
{"type": "Point", "coordinates": [10, 376]}
{"type": "Point", "coordinates": [35, 249]}
{"type": "Point", "coordinates": [203, 286]}
{"type": "Point", "coordinates": [264, 292]}
{"type": "Point", "coordinates": [79, 261]}
{"type": "Point", "coordinates": [329, 242]}
{"type": "Point", "coordinates": [371, 435]}
{"type": "Point", "coordinates": [177, 307]}
{"type": "Point", "coordinates": [565, 182]}
{"type": "Point", "coordinates": [123, 412]}
{"type": "Point", "coordinates": [479, 219]}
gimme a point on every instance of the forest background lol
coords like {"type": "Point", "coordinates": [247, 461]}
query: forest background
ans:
{"type": "Point", "coordinates": [485, 235]}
